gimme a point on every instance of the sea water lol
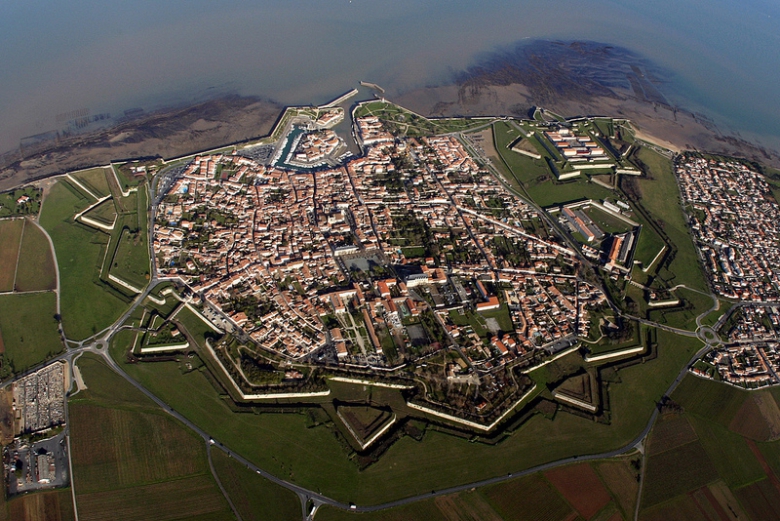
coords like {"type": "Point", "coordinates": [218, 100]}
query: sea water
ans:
{"type": "Point", "coordinates": [59, 58]}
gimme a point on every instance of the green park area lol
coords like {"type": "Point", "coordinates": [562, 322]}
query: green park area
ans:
{"type": "Point", "coordinates": [94, 180]}
{"type": "Point", "coordinates": [658, 195]}
{"type": "Point", "coordinates": [29, 332]}
{"type": "Point", "coordinates": [283, 445]}
{"type": "Point", "coordinates": [88, 304]}
{"type": "Point", "coordinates": [131, 460]}
{"type": "Point", "coordinates": [101, 268]}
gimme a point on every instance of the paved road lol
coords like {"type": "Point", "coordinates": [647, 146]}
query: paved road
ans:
{"type": "Point", "coordinates": [319, 499]}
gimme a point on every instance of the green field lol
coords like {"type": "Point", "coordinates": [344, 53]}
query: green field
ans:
{"type": "Point", "coordinates": [711, 400]}
{"type": "Point", "coordinates": [133, 461]}
{"type": "Point", "coordinates": [255, 498]}
{"type": "Point", "coordinates": [10, 240]}
{"type": "Point", "coordinates": [36, 270]}
{"type": "Point", "coordinates": [648, 246]}
{"type": "Point", "coordinates": [660, 196]}
{"type": "Point", "coordinates": [94, 180]}
{"type": "Point", "coordinates": [29, 329]}
{"type": "Point", "coordinates": [88, 304]}
{"type": "Point", "coordinates": [104, 213]}
{"type": "Point", "coordinates": [675, 472]}
{"type": "Point", "coordinates": [193, 325]}
{"type": "Point", "coordinates": [684, 316]}
{"type": "Point", "coordinates": [131, 259]}
{"type": "Point", "coordinates": [281, 443]}
{"type": "Point", "coordinates": [719, 457]}
{"type": "Point", "coordinates": [728, 452]}
{"type": "Point", "coordinates": [528, 498]}
{"type": "Point", "coordinates": [535, 177]}
{"type": "Point", "coordinates": [129, 245]}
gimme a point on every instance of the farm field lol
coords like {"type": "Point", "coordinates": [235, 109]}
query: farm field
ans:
{"type": "Point", "coordinates": [530, 497]}
{"type": "Point", "coordinates": [52, 505]}
{"type": "Point", "coordinates": [36, 270]}
{"type": "Point", "coordinates": [705, 478]}
{"type": "Point", "coordinates": [527, 498]}
{"type": "Point", "coordinates": [581, 487]}
{"type": "Point", "coordinates": [255, 498]}
{"type": "Point", "coordinates": [281, 444]}
{"type": "Point", "coordinates": [675, 472]}
{"type": "Point", "coordinates": [708, 399]}
{"type": "Point", "coordinates": [10, 240]}
{"type": "Point", "coordinates": [27, 346]}
{"type": "Point", "coordinates": [88, 304]}
{"type": "Point", "coordinates": [729, 453]}
{"type": "Point", "coordinates": [133, 461]}
{"type": "Point", "coordinates": [761, 501]}
{"type": "Point", "coordinates": [621, 480]}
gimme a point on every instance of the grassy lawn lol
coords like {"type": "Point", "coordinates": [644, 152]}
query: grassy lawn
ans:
{"type": "Point", "coordinates": [104, 213]}
{"type": "Point", "coordinates": [683, 316]}
{"type": "Point", "coordinates": [10, 239]}
{"type": "Point", "coordinates": [502, 317]}
{"type": "Point", "coordinates": [133, 461]}
{"type": "Point", "coordinates": [255, 498]}
{"type": "Point", "coordinates": [129, 240]}
{"type": "Point", "coordinates": [36, 270]}
{"type": "Point", "coordinates": [607, 222]}
{"type": "Point", "coordinates": [648, 246]}
{"type": "Point", "coordinates": [94, 180]}
{"type": "Point", "coordinates": [661, 198]}
{"type": "Point", "coordinates": [193, 325]}
{"type": "Point", "coordinates": [88, 304]}
{"type": "Point", "coordinates": [311, 457]}
{"type": "Point", "coordinates": [29, 329]}
{"type": "Point", "coordinates": [714, 316]}
{"type": "Point", "coordinates": [131, 259]}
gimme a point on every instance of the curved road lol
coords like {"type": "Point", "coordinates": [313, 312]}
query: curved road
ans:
{"type": "Point", "coordinates": [319, 499]}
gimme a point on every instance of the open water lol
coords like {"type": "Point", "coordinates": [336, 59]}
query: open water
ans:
{"type": "Point", "coordinates": [58, 58]}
